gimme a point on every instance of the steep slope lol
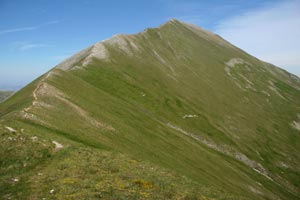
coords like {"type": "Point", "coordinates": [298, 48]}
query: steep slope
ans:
{"type": "Point", "coordinates": [4, 95]}
{"type": "Point", "coordinates": [177, 98]}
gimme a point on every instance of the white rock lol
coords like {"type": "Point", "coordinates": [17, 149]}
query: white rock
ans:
{"type": "Point", "coordinates": [189, 116]}
{"type": "Point", "coordinates": [296, 125]}
{"type": "Point", "coordinates": [15, 180]}
{"type": "Point", "coordinates": [34, 138]}
{"type": "Point", "coordinates": [57, 145]}
{"type": "Point", "coordinates": [143, 94]}
{"type": "Point", "coordinates": [10, 129]}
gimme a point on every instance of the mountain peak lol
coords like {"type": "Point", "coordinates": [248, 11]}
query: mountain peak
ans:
{"type": "Point", "coordinates": [173, 20]}
{"type": "Point", "coordinates": [177, 97]}
{"type": "Point", "coordinates": [128, 43]}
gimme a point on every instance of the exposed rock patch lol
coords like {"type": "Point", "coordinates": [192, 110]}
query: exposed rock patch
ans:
{"type": "Point", "coordinates": [34, 138]}
{"type": "Point", "coordinates": [296, 124]}
{"type": "Point", "coordinates": [163, 61]}
{"type": "Point", "coordinates": [284, 165]}
{"type": "Point", "coordinates": [97, 51]}
{"type": "Point", "coordinates": [275, 90]}
{"type": "Point", "coordinates": [10, 129]}
{"type": "Point", "coordinates": [266, 93]}
{"type": "Point", "coordinates": [189, 116]}
{"type": "Point", "coordinates": [254, 190]}
{"type": "Point", "coordinates": [70, 62]}
{"type": "Point", "coordinates": [58, 146]}
{"type": "Point", "coordinates": [125, 43]}
{"type": "Point", "coordinates": [120, 42]}
{"type": "Point", "coordinates": [240, 80]}
{"type": "Point", "coordinates": [225, 150]}
{"type": "Point", "coordinates": [43, 89]}
{"type": "Point", "coordinates": [143, 94]}
{"type": "Point", "coordinates": [84, 57]}
{"type": "Point", "coordinates": [235, 61]}
{"type": "Point", "coordinates": [15, 180]}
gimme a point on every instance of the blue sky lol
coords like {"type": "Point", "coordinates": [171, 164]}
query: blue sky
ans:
{"type": "Point", "coordinates": [35, 35]}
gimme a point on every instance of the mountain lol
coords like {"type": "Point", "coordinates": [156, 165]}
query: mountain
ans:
{"type": "Point", "coordinates": [174, 112]}
{"type": "Point", "coordinates": [4, 95]}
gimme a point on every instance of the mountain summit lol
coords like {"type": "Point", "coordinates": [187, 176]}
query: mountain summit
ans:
{"type": "Point", "coordinates": [174, 112]}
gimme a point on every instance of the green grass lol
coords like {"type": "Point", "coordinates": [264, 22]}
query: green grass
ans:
{"type": "Point", "coordinates": [80, 172]}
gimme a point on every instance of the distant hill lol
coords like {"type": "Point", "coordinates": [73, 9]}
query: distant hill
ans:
{"type": "Point", "coordinates": [4, 95]}
{"type": "Point", "coordinates": [174, 112]}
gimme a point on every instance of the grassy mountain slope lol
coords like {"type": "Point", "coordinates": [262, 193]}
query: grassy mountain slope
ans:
{"type": "Point", "coordinates": [199, 117]}
{"type": "Point", "coordinates": [4, 95]}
